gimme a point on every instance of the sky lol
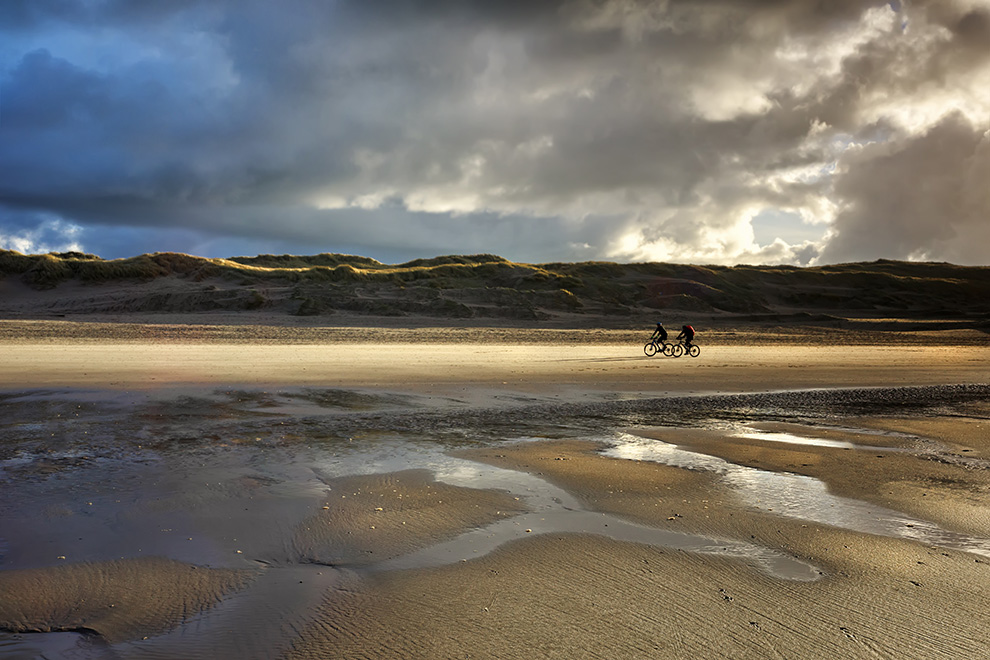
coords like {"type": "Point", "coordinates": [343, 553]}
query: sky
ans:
{"type": "Point", "coordinates": [803, 132]}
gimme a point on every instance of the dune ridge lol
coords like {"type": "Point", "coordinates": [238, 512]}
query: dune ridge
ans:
{"type": "Point", "coordinates": [487, 289]}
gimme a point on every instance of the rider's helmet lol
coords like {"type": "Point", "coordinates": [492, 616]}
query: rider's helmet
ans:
{"type": "Point", "coordinates": [659, 324]}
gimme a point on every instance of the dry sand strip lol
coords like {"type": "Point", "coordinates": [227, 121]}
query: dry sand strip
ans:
{"type": "Point", "coordinates": [520, 367]}
{"type": "Point", "coordinates": [215, 350]}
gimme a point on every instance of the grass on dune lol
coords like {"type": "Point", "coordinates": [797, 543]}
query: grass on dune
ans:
{"type": "Point", "coordinates": [608, 287]}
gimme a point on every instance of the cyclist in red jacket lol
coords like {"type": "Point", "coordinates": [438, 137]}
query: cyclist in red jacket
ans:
{"type": "Point", "coordinates": [687, 334]}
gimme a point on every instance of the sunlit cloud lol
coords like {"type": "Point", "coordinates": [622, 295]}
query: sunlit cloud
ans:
{"type": "Point", "coordinates": [49, 234]}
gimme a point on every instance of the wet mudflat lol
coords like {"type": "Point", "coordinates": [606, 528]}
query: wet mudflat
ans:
{"type": "Point", "coordinates": [296, 518]}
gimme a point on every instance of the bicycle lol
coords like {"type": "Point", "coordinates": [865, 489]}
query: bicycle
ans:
{"type": "Point", "coordinates": [653, 347]}
{"type": "Point", "coordinates": [679, 349]}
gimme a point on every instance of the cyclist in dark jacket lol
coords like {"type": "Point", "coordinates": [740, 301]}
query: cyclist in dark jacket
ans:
{"type": "Point", "coordinates": [687, 333]}
{"type": "Point", "coordinates": [660, 333]}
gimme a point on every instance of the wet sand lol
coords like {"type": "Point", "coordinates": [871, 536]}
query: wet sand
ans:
{"type": "Point", "coordinates": [493, 499]}
{"type": "Point", "coordinates": [566, 595]}
{"type": "Point", "coordinates": [117, 600]}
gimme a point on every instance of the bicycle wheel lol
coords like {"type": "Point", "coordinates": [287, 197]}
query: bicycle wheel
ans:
{"type": "Point", "coordinates": [677, 350]}
{"type": "Point", "coordinates": [650, 349]}
{"type": "Point", "coordinates": [668, 349]}
{"type": "Point", "coordinates": [694, 351]}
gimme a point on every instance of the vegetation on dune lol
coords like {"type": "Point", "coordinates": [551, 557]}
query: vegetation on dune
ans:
{"type": "Point", "coordinates": [454, 259]}
{"type": "Point", "coordinates": [487, 286]}
{"type": "Point", "coordinates": [49, 270]}
{"type": "Point", "coordinates": [293, 261]}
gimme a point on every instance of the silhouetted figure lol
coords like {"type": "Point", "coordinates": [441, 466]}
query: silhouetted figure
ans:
{"type": "Point", "coordinates": [687, 334]}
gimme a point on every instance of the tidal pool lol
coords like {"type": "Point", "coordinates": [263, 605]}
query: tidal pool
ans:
{"type": "Point", "coordinates": [798, 496]}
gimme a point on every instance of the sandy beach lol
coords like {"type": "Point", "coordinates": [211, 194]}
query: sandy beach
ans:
{"type": "Point", "coordinates": [129, 356]}
{"type": "Point", "coordinates": [449, 493]}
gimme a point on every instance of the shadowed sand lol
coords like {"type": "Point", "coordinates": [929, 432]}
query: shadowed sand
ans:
{"type": "Point", "coordinates": [117, 600]}
{"type": "Point", "coordinates": [379, 517]}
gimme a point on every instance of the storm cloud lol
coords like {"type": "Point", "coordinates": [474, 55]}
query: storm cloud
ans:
{"type": "Point", "coordinates": [707, 131]}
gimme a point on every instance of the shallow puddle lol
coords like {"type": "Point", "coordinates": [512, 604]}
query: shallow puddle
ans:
{"type": "Point", "coordinates": [62, 645]}
{"type": "Point", "coordinates": [554, 510]}
{"type": "Point", "coordinates": [798, 496]}
{"type": "Point", "coordinates": [480, 542]}
{"type": "Point", "coordinates": [791, 439]}
{"type": "Point", "coordinates": [785, 437]}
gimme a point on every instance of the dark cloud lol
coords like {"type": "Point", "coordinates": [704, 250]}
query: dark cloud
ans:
{"type": "Point", "coordinates": [922, 197]}
{"type": "Point", "coordinates": [32, 14]}
{"type": "Point", "coordinates": [974, 27]}
{"type": "Point", "coordinates": [573, 129]}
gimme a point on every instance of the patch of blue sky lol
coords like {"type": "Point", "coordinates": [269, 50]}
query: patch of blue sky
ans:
{"type": "Point", "coordinates": [875, 133]}
{"type": "Point", "coordinates": [771, 224]}
{"type": "Point", "coordinates": [37, 232]}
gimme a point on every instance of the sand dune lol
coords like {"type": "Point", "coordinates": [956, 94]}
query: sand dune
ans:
{"type": "Point", "coordinates": [486, 290]}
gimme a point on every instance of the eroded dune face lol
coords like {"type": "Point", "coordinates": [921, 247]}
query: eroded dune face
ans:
{"type": "Point", "coordinates": [120, 600]}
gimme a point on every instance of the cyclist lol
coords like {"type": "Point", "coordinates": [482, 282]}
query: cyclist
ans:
{"type": "Point", "coordinates": [660, 333]}
{"type": "Point", "coordinates": [687, 333]}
